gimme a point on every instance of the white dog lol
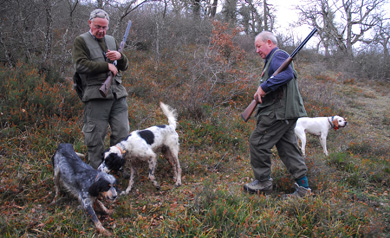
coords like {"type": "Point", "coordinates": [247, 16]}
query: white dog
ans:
{"type": "Point", "coordinates": [142, 145]}
{"type": "Point", "coordinates": [318, 126]}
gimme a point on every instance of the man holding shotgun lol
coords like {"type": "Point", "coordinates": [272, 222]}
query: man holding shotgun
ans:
{"type": "Point", "coordinates": [95, 55]}
{"type": "Point", "coordinates": [279, 106]}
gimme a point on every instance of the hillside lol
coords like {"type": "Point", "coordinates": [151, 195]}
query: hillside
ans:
{"type": "Point", "coordinates": [351, 186]}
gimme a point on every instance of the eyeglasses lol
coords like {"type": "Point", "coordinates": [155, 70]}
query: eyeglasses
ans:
{"type": "Point", "coordinates": [98, 27]}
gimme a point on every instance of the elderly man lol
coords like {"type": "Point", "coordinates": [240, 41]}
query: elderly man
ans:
{"type": "Point", "coordinates": [95, 55]}
{"type": "Point", "coordinates": [280, 105]}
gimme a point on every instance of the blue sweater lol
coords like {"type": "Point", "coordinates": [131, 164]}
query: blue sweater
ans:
{"type": "Point", "coordinates": [283, 77]}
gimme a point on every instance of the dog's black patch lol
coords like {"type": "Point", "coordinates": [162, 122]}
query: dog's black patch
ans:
{"type": "Point", "coordinates": [161, 126]}
{"type": "Point", "coordinates": [147, 135]}
{"type": "Point", "coordinates": [127, 136]}
{"type": "Point", "coordinates": [114, 162]}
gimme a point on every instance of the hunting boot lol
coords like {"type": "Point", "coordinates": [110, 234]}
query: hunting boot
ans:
{"type": "Point", "coordinates": [263, 187]}
{"type": "Point", "coordinates": [300, 192]}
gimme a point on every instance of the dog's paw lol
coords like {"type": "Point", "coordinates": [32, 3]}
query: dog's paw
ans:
{"type": "Point", "coordinates": [127, 191]}
{"type": "Point", "coordinates": [101, 230]}
{"type": "Point", "coordinates": [105, 233]}
{"type": "Point", "coordinates": [109, 212]}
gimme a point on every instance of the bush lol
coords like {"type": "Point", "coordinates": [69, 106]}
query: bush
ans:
{"type": "Point", "coordinates": [27, 99]}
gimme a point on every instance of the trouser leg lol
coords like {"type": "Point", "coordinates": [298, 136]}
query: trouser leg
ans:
{"type": "Point", "coordinates": [289, 152]}
{"type": "Point", "coordinates": [261, 141]}
{"type": "Point", "coordinates": [96, 115]}
{"type": "Point", "coordinates": [119, 121]}
{"type": "Point", "coordinates": [270, 132]}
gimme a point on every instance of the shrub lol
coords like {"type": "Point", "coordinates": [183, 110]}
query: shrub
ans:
{"type": "Point", "coordinates": [28, 100]}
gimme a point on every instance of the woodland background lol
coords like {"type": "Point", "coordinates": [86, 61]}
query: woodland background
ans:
{"type": "Point", "coordinates": [198, 56]}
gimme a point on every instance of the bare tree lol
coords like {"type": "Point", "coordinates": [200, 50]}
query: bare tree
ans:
{"type": "Point", "coordinates": [320, 15]}
{"type": "Point", "coordinates": [46, 59]}
{"type": "Point", "coordinates": [257, 16]}
{"type": "Point", "coordinates": [196, 8]}
{"type": "Point", "coordinates": [213, 8]}
{"type": "Point", "coordinates": [382, 37]}
{"type": "Point", "coordinates": [265, 13]}
{"type": "Point", "coordinates": [342, 24]}
{"type": "Point", "coordinates": [229, 11]}
{"type": "Point", "coordinates": [361, 14]}
{"type": "Point", "coordinates": [252, 21]}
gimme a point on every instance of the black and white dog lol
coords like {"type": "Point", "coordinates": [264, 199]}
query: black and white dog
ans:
{"type": "Point", "coordinates": [88, 185]}
{"type": "Point", "coordinates": [142, 145]}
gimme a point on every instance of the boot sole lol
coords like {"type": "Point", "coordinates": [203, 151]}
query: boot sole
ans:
{"type": "Point", "coordinates": [264, 192]}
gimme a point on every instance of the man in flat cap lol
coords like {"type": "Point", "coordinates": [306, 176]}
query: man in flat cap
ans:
{"type": "Point", "coordinates": [95, 54]}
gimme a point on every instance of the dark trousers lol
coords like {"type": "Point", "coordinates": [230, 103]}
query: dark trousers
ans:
{"type": "Point", "coordinates": [268, 133]}
{"type": "Point", "coordinates": [98, 115]}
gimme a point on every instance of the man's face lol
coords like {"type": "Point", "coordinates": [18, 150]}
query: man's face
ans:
{"type": "Point", "coordinates": [98, 27]}
{"type": "Point", "coordinates": [263, 47]}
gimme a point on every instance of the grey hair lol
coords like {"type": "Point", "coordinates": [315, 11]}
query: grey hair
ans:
{"type": "Point", "coordinates": [100, 13]}
{"type": "Point", "coordinates": [267, 35]}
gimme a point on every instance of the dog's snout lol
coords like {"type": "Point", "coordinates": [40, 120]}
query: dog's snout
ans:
{"type": "Point", "coordinates": [114, 194]}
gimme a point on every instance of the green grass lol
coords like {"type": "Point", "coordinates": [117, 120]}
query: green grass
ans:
{"type": "Point", "coordinates": [351, 186]}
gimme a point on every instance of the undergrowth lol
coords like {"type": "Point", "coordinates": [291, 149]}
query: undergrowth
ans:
{"type": "Point", "coordinates": [351, 186]}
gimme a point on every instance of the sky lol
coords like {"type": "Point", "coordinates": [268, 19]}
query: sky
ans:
{"type": "Point", "coordinates": [286, 15]}
{"type": "Point", "coordinates": [286, 10]}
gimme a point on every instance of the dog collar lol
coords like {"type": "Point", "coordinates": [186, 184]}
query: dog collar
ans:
{"type": "Point", "coordinates": [123, 151]}
{"type": "Point", "coordinates": [331, 123]}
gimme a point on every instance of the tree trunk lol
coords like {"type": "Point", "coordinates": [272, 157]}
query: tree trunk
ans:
{"type": "Point", "coordinates": [265, 15]}
{"type": "Point", "coordinates": [213, 8]}
{"type": "Point", "coordinates": [48, 34]}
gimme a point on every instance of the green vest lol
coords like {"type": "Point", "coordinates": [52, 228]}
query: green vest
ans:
{"type": "Point", "coordinates": [285, 102]}
{"type": "Point", "coordinates": [92, 82]}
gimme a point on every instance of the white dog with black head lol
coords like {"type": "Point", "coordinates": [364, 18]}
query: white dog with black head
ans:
{"type": "Point", "coordinates": [143, 145]}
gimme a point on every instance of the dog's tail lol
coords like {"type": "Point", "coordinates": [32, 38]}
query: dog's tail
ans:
{"type": "Point", "coordinates": [170, 113]}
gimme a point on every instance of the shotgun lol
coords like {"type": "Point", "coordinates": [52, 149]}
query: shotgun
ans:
{"type": "Point", "coordinates": [252, 106]}
{"type": "Point", "coordinates": [107, 83]}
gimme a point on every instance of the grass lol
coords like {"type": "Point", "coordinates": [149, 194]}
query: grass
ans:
{"type": "Point", "coordinates": [351, 186]}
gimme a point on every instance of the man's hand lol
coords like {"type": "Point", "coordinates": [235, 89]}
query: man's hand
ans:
{"type": "Point", "coordinates": [113, 55]}
{"type": "Point", "coordinates": [113, 69]}
{"type": "Point", "coordinates": [259, 94]}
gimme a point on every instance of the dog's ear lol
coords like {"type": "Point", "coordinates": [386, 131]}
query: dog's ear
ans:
{"type": "Point", "coordinates": [99, 186]}
{"type": "Point", "coordinates": [335, 123]}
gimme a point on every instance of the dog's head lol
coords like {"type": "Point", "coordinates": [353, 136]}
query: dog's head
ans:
{"type": "Point", "coordinates": [113, 161]}
{"type": "Point", "coordinates": [104, 186]}
{"type": "Point", "coordinates": [338, 122]}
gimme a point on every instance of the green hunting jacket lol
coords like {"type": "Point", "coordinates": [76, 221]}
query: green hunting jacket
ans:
{"type": "Point", "coordinates": [285, 102]}
{"type": "Point", "coordinates": [92, 66]}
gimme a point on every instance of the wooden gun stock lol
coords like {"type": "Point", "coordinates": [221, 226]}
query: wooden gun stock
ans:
{"type": "Point", "coordinates": [252, 106]}
{"type": "Point", "coordinates": [249, 110]}
{"type": "Point", "coordinates": [107, 83]}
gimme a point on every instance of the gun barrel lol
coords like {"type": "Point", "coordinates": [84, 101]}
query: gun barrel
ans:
{"type": "Point", "coordinates": [107, 83]}
{"type": "Point", "coordinates": [249, 110]}
{"type": "Point", "coordinates": [303, 43]}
